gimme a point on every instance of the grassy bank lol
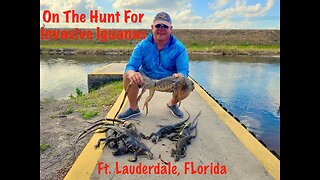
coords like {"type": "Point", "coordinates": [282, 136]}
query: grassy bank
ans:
{"type": "Point", "coordinates": [91, 104]}
{"type": "Point", "coordinates": [219, 42]}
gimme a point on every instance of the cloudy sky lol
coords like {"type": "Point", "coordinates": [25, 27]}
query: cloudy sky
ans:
{"type": "Point", "coordinates": [185, 14]}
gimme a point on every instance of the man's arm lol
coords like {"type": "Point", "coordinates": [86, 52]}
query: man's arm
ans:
{"type": "Point", "coordinates": [182, 64]}
{"type": "Point", "coordinates": [133, 65]}
{"type": "Point", "coordinates": [135, 60]}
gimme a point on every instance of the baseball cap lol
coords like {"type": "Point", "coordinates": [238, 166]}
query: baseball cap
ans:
{"type": "Point", "coordinates": [162, 17]}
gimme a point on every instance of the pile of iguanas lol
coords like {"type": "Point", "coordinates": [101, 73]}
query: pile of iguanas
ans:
{"type": "Point", "coordinates": [124, 136]}
{"type": "Point", "coordinates": [181, 132]}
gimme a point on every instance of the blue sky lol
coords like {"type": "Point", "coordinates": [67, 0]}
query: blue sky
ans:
{"type": "Point", "coordinates": [185, 14]}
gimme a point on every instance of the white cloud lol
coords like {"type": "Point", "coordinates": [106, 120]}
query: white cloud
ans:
{"type": "Point", "coordinates": [217, 4]}
{"type": "Point", "coordinates": [60, 6]}
{"type": "Point", "coordinates": [237, 15]}
{"type": "Point", "coordinates": [180, 11]}
{"type": "Point", "coordinates": [149, 5]}
{"type": "Point", "coordinates": [242, 9]}
{"type": "Point", "coordinates": [185, 17]}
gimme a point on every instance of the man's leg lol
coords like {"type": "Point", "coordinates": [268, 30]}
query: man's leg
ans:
{"type": "Point", "coordinates": [132, 93]}
{"type": "Point", "coordinates": [174, 101]}
{"type": "Point", "coordinates": [132, 97]}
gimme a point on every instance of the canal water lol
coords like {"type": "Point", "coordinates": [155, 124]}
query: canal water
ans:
{"type": "Point", "coordinates": [248, 87]}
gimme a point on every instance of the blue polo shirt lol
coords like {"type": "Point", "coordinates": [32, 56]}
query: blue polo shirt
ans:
{"type": "Point", "coordinates": [173, 58]}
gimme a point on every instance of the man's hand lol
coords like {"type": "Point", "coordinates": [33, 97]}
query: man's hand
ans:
{"type": "Point", "coordinates": [135, 77]}
{"type": "Point", "coordinates": [177, 75]}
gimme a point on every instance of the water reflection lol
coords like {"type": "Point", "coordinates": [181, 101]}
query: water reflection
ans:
{"type": "Point", "coordinates": [248, 59]}
{"type": "Point", "coordinates": [250, 90]}
{"type": "Point", "coordinates": [61, 75]}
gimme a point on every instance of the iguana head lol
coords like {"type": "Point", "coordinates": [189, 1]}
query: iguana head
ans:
{"type": "Point", "coordinates": [149, 154]}
{"type": "Point", "coordinates": [179, 154]}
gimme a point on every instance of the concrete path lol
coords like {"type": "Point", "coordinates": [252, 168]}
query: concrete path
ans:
{"type": "Point", "coordinates": [223, 148]}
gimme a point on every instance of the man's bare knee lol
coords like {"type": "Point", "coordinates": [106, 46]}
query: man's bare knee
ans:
{"type": "Point", "coordinates": [125, 79]}
{"type": "Point", "coordinates": [132, 91]}
{"type": "Point", "coordinates": [182, 96]}
{"type": "Point", "coordinates": [175, 99]}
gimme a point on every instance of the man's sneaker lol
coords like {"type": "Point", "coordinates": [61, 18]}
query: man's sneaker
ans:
{"type": "Point", "coordinates": [129, 113]}
{"type": "Point", "coordinates": [175, 111]}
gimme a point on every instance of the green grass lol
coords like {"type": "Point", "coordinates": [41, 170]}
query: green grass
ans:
{"type": "Point", "coordinates": [91, 104]}
{"type": "Point", "coordinates": [227, 49]}
{"type": "Point", "coordinates": [95, 101]}
{"type": "Point", "coordinates": [69, 110]}
{"type": "Point", "coordinates": [44, 147]}
{"type": "Point", "coordinates": [52, 116]}
{"type": "Point", "coordinates": [230, 48]}
{"type": "Point", "coordinates": [83, 46]}
{"type": "Point", "coordinates": [88, 114]}
{"type": "Point", "coordinates": [47, 100]}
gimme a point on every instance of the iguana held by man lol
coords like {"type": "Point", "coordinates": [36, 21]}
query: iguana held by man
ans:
{"type": "Point", "coordinates": [169, 84]}
{"type": "Point", "coordinates": [177, 86]}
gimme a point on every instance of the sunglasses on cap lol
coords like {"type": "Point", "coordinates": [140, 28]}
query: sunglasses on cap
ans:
{"type": "Point", "coordinates": [161, 25]}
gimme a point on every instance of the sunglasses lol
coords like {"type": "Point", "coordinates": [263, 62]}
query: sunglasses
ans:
{"type": "Point", "coordinates": [161, 25]}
